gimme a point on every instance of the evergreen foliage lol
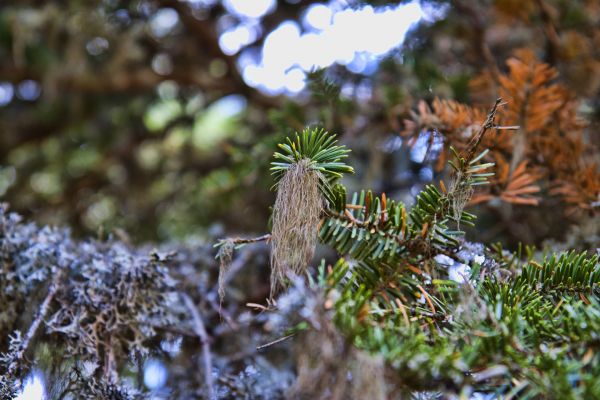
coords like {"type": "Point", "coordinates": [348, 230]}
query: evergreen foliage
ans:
{"type": "Point", "coordinates": [505, 327]}
{"type": "Point", "coordinates": [113, 124]}
{"type": "Point", "coordinates": [322, 154]}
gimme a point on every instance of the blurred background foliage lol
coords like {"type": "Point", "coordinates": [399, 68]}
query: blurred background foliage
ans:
{"type": "Point", "coordinates": [149, 119]}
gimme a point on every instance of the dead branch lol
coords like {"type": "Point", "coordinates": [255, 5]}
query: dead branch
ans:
{"type": "Point", "coordinates": [33, 328]}
{"type": "Point", "coordinates": [281, 339]}
{"type": "Point", "coordinates": [204, 342]}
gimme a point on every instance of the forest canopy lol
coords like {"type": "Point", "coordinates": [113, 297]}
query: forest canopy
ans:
{"type": "Point", "coordinates": [299, 199]}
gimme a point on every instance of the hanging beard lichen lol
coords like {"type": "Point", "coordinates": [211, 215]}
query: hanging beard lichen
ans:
{"type": "Point", "coordinates": [460, 193]}
{"type": "Point", "coordinates": [225, 255]}
{"type": "Point", "coordinates": [295, 222]}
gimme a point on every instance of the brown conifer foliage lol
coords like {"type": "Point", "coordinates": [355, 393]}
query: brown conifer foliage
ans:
{"type": "Point", "coordinates": [543, 149]}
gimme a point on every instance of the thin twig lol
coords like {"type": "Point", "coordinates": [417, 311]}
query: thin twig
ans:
{"type": "Point", "coordinates": [257, 306]}
{"type": "Point", "coordinates": [262, 238]}
{"type": "Point", "coordinates": [488, 124]}
{"type": "Point", "coordinates": [173, 330]}
{"type": "Point", "coordinates": [275, 341]}
{"type": "Point", "coordinates": [223, 313]}
{"type": "Point", "coordinates": [42, 312]}
{"type": "Point", "coordinates": [227, 268]}
{"type": "Point", "coordinates": [204, 341]}
{"type": "Point", "coordinates": [238, 264]}
{"type": "Point", "coordinates": [110, 362]}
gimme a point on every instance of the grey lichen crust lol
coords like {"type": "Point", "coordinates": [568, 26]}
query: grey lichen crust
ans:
{"type": "Point", "coordinates": [98, 302]}
{"type": "Point", "coordinates": [87, 315]}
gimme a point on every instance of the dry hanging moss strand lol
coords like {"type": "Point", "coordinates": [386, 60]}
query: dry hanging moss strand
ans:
{"type": "Point", "coordinates": [460, 190]}
{"type": "Point", "coordinates": [460, 193]}
{"type": "Point", "coordinates": [225, 255]}
{"type": "Point", "coordinates": [296, 217]}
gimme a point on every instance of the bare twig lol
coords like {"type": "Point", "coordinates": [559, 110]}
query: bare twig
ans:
{"type": "Point", "coordinates": [204, 341]}
{"type": "Point", "coordinates": [257, 306]}
{"type": "Point", "coordinates": [281, 339]}
{"type": "Point", "coordinates": [236, 241]}
{"type": "Point", "coordinates": [223, 313]}
{"type": "Point", "coordinates": [110, 361]}
{"type": "Point", "coordinates": [33, 328]}
{"type": "Point", "coordinates": [488, 124]}
{"type": "Point", "coordinates": [173, 330]}
{"type": "Point", "coordinates": [227, 269]}
{"type": "Point", "coordinates": [238, 264]}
